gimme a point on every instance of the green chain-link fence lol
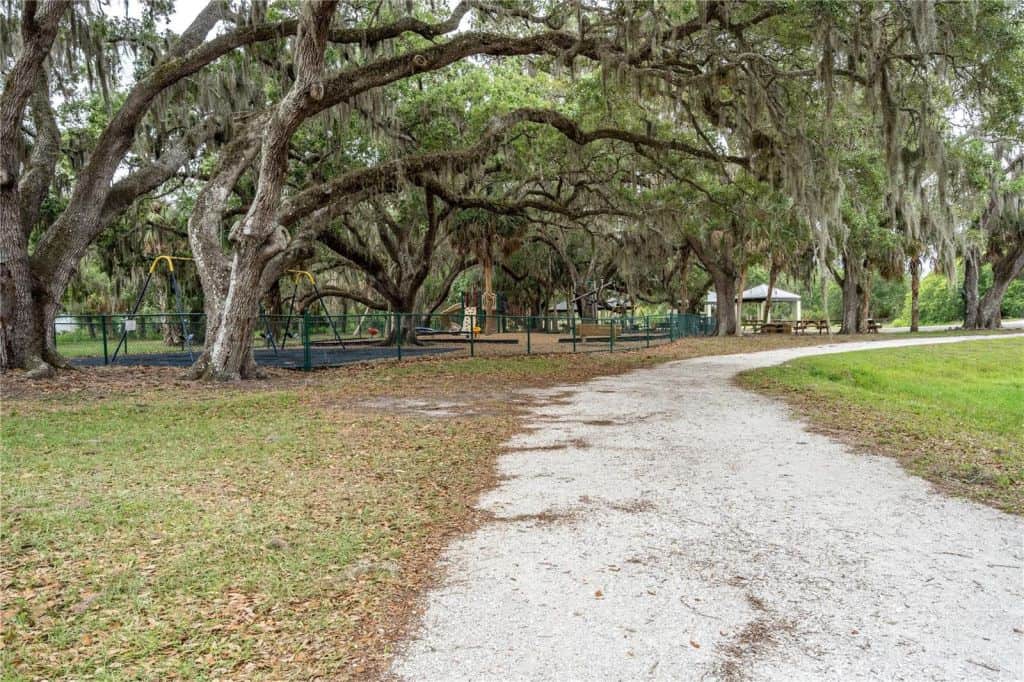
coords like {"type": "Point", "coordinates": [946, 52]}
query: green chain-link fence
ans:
{"type": "Point", "coordinates": [307, 341]}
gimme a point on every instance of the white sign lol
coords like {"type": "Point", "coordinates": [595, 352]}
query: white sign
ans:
{"type": "Point", "coordinates": [129, 325]}
{"type": "Point", "coordinates": [468, 319]}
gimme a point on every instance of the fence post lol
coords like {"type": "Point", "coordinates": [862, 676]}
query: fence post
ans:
{"type": "Point", "coordinates": [307, 356]}
{"type": "Point", "coordinates": [103, 333]}
{"type": "Point", "coordinates": [671, 327]}
{"type": "Point", "coordinates": [398, 333]}
{"type": "Point", "coordinates": [472, 337]}
{"type": "Point", "coordinates": [611, 336]}
{"type": "Point", "coordinates": [529, 323]}
{"type": "Point", "coordinates": [572, 330]}
{"type": "Point", "coordinates": [647, 322]}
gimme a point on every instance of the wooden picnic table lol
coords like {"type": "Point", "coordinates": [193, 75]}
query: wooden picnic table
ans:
{"type": "Point", "coordinates": [802, 326]}
{"type": "Point", "coordinates": [784, 327]}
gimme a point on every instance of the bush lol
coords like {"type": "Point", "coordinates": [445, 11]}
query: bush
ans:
{"type": "Point", "coordinates": [940, 303]}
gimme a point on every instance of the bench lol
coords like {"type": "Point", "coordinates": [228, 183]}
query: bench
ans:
{"type": "Point", "coordinates": [874, 326]}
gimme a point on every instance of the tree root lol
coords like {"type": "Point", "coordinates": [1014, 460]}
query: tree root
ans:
{"type": "Point", "coordinates": [37, 368]}
{"type": "Point", "coordinates": [52, 357]}
{"type": "Point", "coordinates": [201, 370]}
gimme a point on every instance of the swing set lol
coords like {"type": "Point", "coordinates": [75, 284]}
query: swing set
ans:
{"type": "Point", "coordinates": [297, 278]}
{"type": "Point", "coordinates": [130, 324]}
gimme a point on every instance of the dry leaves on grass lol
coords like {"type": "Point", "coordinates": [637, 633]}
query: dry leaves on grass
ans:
{"type": "Point", "coordinates": [155, 555]}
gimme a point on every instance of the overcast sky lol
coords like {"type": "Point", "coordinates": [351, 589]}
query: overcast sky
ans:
{"type": "Point", "coordinates": [184, 12]}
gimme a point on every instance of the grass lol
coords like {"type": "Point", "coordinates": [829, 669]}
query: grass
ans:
{"type": "Point", "coordinates": [156, 528]}
{"type": "Point", "coordinates": [144, 540]}
{"type": "Point", "coordinates": [953, 414]}
{"type": "Point", "coordinates": [82, 347]}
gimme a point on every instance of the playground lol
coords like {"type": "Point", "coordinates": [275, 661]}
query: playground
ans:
{"type": "Point", "coordinates": [304, 341]}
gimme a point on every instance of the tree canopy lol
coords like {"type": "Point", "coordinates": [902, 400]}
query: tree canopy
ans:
{"type": "Point", "coordinates": [404, 149]}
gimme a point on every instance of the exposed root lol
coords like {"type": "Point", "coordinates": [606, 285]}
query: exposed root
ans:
{"type": "Point", "coordinates": [55, 359]}
{"type": "Point", "coordinates": [37, 368]}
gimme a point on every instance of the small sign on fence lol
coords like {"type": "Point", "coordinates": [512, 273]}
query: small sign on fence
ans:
{"type": "Point", "coordinates": [469, 319]}
{"type": "Point", "coordinates": [129, 325]}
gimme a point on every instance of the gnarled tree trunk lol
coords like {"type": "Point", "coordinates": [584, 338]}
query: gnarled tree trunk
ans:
{"type": "Point", "coordinates": [725, 312]}
{"type": "Point", "coordinates": [23, 318]}
{"type": "Point", "coordinates": [256, 239]}
{"type": "Point", "coordinates": [985, 312]}
{"type": "Point", "coordinates": [1004, 271]}
{"type": "Point", "coordinates": [856, 293]}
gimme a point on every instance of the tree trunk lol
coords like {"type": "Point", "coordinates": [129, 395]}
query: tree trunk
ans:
{"type": "Point", "coordinates": [972, 271]}
{"type": "Point", "coordinates": [725, 311]}
{"type": "Point", "coordinates": [986, 312]}
{"type": "Point", "coordinates": [489, 299]}
{"type": "Point", "coordinates": [257, 239]}
{"type": "Point", "coordinates": [1004, 271]}
{"type": "Point", "coordinates": [404, 328]}
{"type": "Point", "coordinates": [915, 291]}
{"type": "Point", "coordinates": [853, 273]}
{"type": "Point", "coordinates": [229, 356]}
{"type": "Point", "coordinates": [684, 272]}
{"type": "Point", "coordinates": [863, 307]}
{"type": "Point", "coordinates": [23, 332]}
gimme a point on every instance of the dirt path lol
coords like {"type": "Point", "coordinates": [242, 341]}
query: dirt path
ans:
{"type": "Point", "coordinates": [666, 524]}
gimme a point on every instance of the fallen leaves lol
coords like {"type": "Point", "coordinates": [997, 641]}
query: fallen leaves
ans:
{"type": "Point", "coordinates": [277, 529]}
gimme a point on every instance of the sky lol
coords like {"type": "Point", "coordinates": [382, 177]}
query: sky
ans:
{"type": "Point", "coordinates": [184, 12]}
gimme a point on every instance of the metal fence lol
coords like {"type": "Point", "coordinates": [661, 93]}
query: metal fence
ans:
{"type": "Point", "coordinates": [307, 341]}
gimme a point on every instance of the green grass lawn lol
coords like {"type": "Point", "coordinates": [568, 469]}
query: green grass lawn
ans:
{"type": "Point", "coordinates": [85, 347]}
{"type": "Point", "coordinates": [953, 414]}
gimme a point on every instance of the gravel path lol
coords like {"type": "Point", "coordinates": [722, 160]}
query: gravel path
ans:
{"type": "Point", "coordinates": [666, 524]}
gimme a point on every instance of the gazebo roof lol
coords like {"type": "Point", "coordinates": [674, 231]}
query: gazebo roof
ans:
{"type": "Point", "coordinates": [760, 293]}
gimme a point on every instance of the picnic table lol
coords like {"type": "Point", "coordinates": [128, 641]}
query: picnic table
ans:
{"type": "Point", "coordinates": [874, 326]}
{"type": "Point", "coordinates": [784, 327]}
{"type": "Point", "coordinates": [755, 325]}
{"type": "Point", "coordinates": [802, 326]}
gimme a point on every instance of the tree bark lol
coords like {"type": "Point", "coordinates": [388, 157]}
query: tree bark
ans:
{"type": "Point", "coordinates": [854, 295]}
{"type": "Point", "coordinates": [1004, 271]}
{"type": "Point", "coordinates": [256, 239]}
{"type": "Point", "coordinates": [915, 293]}
{"type": "Point", "coordinates": [23, 331]}
{"type": "Point", "coordinates": [972, 272]}
{"type": "Point", "coordinates": [725, 311]}
{"type": "Point", "coordinates": [718, 261]}
{"type": "Point", "coordinates": [684, 272]}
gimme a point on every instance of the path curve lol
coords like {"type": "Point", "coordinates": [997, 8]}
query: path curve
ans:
{"type": "Point", "coordinates": [706, 534]}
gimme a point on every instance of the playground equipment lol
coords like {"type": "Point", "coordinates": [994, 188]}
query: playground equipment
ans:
{"type": "Point", "coordinates": [297, 276]}
{"type": "Point", "coordinates": [130, 323]}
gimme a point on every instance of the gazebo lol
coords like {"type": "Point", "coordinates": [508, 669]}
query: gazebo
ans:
{"type": "Point", "coordinates": [759, 295]}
